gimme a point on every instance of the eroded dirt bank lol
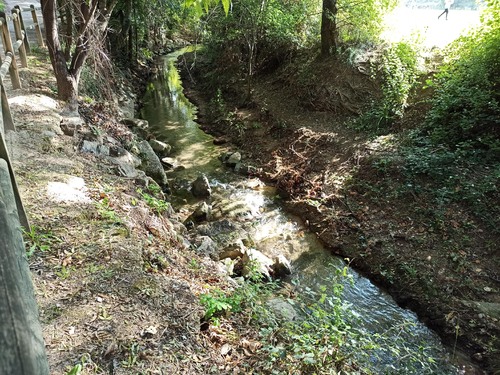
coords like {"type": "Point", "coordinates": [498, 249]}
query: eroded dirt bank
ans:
{"type": "Point", "coordinates": [443, 264]}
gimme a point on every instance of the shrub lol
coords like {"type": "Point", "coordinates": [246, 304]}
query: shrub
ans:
{"type": "Point", "coordinates": [466, 107]}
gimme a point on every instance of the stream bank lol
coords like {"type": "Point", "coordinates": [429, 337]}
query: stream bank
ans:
{"type": "Point", "coordinates": [117, 287]}
{"type": "Point", "coordinates": [238, 217]}
{"type": "Point", "coordinates": [445, 268]}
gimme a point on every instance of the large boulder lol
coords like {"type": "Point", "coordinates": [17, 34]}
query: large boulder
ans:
{"type": "Point", "coordinates": [95, 148]}
{"type": "Point", "coordinates": [233, 159]}
{"type": "Point", "coordinates": [207, 246]}
{"type": "Point", "coordinates": [200, 187]}
{"type": "Point", "coordinates": [283, 309]}
{"type": "Point", "coordinates": [161, 148]}
{"type": "Point", "coordinates": [281, 267]}
{"type": "Point", "coordinates": [150, 163]}
{"type": "Point", "coordinates": [256, 262]}
{"type": "Point", "coordinates": [200, 214]}
{"type": "Point", "coordinates": [138, 126]}
{"type": "Point", "coordinates": [233, 251]}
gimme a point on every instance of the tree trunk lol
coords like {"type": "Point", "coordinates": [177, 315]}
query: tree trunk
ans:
{"type": "Point", "coordinates": [91, 25]}
{"type": "Point", "coordinates": [329, 31]}
{"type": "Point", "coordinates": [67, 83]}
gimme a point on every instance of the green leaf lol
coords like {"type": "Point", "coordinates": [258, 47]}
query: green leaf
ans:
{"type": "Point", "coordinates": [225, 5]}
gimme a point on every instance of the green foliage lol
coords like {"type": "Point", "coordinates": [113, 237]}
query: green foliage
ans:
{"type": "Point", "coordinates": [75, 370]}
{"type": "Point", "coordinates": [466, 106]}
{"type": "Point", "coordinates": [159, 206]}
{"type": "Point", "coordinates": [218, 112]}
{"type": "Point", "coordinates": [38, 239]}
{"type": "Point", "coordinates": [257, 35]}
{"type": "Point", "coordinates": [202, 6]}
{"type": "Point", "coordinates": [217, 107]}
{"type": "Point", "coordinates": [324, 339]}
{"type": "Point", "coordinates": [94, 85]}
{"type": "Point", "coordinates": [106, 211]}
{"type": "Point", "coordinates": [217, 303]}
{"type": "Point", "coordinates": [397, 69]}
{"type": "Point", "coordinates": [249, 296]}
{"type": "Point", "coordinates": [143, 27]}
{"type": "Point", "coordinates": [462, 175]}
{"type": "Point", "coordinates": [361, 22]}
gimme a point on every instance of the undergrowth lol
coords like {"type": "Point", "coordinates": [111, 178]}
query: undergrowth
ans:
{"type": "Point", "coordinates": [319, 335]}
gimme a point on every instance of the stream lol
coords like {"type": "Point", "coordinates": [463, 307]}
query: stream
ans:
{"type": "Point", "coordinates": [248, 206]}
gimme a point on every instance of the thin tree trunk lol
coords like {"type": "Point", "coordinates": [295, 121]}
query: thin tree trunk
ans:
{"type": "Point", "coordinates": [66, 82]}
{"type": "Point", "coordinates": [329, 31]}
{"type": "Point", "coordinates": [90, 22]}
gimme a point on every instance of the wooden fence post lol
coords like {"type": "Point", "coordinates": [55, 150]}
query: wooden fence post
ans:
{"type": "Point", "coordinates": [26, 41]}
{"type": "Point", "coordinates": [8, 123]}
{"type": "Point", "coordinates": [16, 18]}
{"type": "Point", "coordinates": [7, 46]}
{"type": "Point", "coordinates": [21, 340]}
{"type": "Point", "coordinates": [38, 31]}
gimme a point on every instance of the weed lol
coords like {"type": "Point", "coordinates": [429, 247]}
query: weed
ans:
{"type": "Point", "coordinates": [194, 265]}
{"type": "Point", "coordinates": [217, 303]}
{"type": "Point", "coordinates": [75, 370]}
{"type": "Point", "coordinates": [159, 206]}
{"type": "Point", "coordinates": [64, 272]}
{"type": "Point", "coordinates": [106, 212]}
{"type": "Point", "coordinates": [37, 239]}
{"type": "Point", "coordinates": [132, 356]}
{"type": "Point", "coordinates": [398, 70]}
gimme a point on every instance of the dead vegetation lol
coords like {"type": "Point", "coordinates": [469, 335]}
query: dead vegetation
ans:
{"type": "Point", "coordinates": [116, 284]}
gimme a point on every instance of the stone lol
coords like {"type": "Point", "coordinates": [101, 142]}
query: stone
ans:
{"type": "Point", "coordinates": [161, 148]}
{"type": "Point", "coordinates": [126, 106]}
{"type": "Point", "coordinates": [150, 163]}
{"type": "Point", "coordinates": [200, 187]}
{"type": "Point", "coordinates": [135, 123]}
{"type": "Point", "coordinates": [69, 125]}
{"type": "Point", "coordinates": [220, 141]}
{"type": "Point", "coordinates": [89, 146]}
{"type": "Point", "coordinates": [255, 261]}
{"type": "Point", "coordinates": [217, 228]}
{"type": "Point", "coordinates": [140, 127]}
{"type": "Point", "coordinates": [283, 309]}
{"type": "Point", "coordinates": [169, 163]}
{"type": "Point", "coordinates": [245, 170]}
{"type": "Point", "coordinates": [227, 266]}
{"type": "Point", "coordinates": [233, 251]}
{"type": "Point", "coordinates": [95, 148]}
{"type": "Point", "coordinates": [200, 214]}
{"type": "Point", "coordinates": [281, 267]}
{"type": "Point", "coordinates": [233, 159]}
{"type": "Point", "coordinates": [126, 170]}
{"type": "Point", "coordinates": [207, 247]}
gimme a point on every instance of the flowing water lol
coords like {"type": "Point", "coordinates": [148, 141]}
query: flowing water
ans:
{"type": "Point", "coordinates": [404, 340]}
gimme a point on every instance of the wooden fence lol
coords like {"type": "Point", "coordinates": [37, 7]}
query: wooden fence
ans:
{"type": "Point", "coordinates": [22, 350]}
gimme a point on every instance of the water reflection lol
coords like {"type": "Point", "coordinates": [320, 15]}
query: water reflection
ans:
{"type": "Point", "coordinates": [171, 116]}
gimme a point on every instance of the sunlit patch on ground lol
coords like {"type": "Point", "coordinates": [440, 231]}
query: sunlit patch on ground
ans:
{"type": "Point", "coordinates": [36, 102]}
{"type": "Point", "coordinates": [73, 191]}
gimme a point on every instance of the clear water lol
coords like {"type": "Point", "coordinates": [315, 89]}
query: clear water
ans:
{"type": "Point", "coordinates": [172, 117]}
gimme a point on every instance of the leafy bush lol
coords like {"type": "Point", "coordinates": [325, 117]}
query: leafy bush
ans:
{"type": "Point", "coordinates": [397, 69]}
{"type": "Point", "coordinates": [466, 107]}
{"type": "Point", "coordinates": [255, 34]}
{"type": "Point", "coordinates": [361, 22]}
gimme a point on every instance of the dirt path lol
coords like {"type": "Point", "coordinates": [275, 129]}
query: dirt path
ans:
{"type": "Point", "coordinates": [116, 286]}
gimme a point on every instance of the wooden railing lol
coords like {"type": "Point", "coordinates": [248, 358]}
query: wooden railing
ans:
{"type": "Point", "coordinates": [21, 46]}
{"type": "Point", "coordinates": [22, 350]}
